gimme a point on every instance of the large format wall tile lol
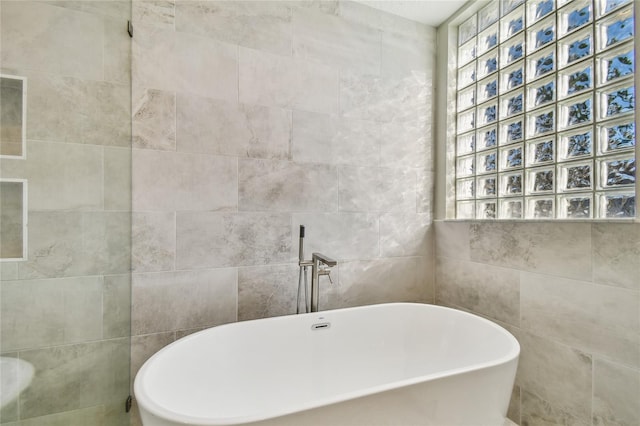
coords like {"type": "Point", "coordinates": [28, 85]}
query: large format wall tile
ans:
{"type": "Point", "coordinates": [377, 189]}
{"type": "Point", "coordinates": [273, 80]}
{"type": "Point", "coordinates": [143, 346]}
{"type": "Point", "coordinates": [267, 291]}
{"type": "Point", "coordinates": [153, 238]}
{"type": "Point", "coordinates": [340, 236]}
{"type": "Point", "coordinates": [488, 290]}
{"type": "Point", "coordinates": [172, 181]}
{"type": "Point", "coordinates": [50, 36]}
{"type": "Point", "coordinates": [452, 239]}
{"type": "Point", "coordinates": [286, 186]}
{"type": "Point", "coordinates": [116, 306]}
{"type": "Point", "coordinates": [323, 138]}
{"type": "Point", "coordinates": [596, 318]}
{"type": "Point", "coordinates": [117, 50]}
{"type": "Point", "coordinates": [539, 412]}
{"type": "Point", "coordinates": [263, 25]}
{"type": "Point", "coordinates": [616, 254]}
{"type": "Point", "coordinates": [154, 120]}
{"type": "Point", "coordinates": [562, 249]}
{"type": "Point", "coordinates": [402, 55]}
{"type": "Point", "coordinates": [153, 12]}
{"type": "Point", "coordinates": [615, 394]}
{"type": "Point", "coordinates": [168, 301]}
{"type": "Point", "coordinates": [406, 234]}
{"type": "Point", "coordinates": [211, 240]}
{"type": "Point", "coordinates": [227, 128]}
{"type": "Point", "coordinates": [117, 179]}
{"type": "Point", "coordinates": [406, 145]}
{"type": "Point", "coordinates": [327, 39]}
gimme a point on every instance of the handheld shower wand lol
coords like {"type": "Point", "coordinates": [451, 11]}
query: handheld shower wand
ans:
{"type": "Point", "coordinates": [303, 271]}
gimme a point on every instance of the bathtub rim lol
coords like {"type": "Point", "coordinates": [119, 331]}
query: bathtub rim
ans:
{"type": "Point", "coordinates": [159, 411]}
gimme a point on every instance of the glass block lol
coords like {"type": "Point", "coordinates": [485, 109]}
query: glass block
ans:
{"type": "Point", "coordinates": [467, 52]}
{"type": "Point", "coordinates": [616, 100]}
{"type": "Point", "coordinates": [465, 210]}
{"type": "Point", "coordinates": [511, 184]}
{"type": "Point", "coordinates": [512, 50]}
{"type": "Point", "coordinates": [615, 29]}
{"type": "Point", "coordinates": [511, 157]}
{"type": "Point", "coordinates": [512, 104]}
{"type": "Point", "coordinates": [538, 9]}
{"type": "Point", "coordinates": [574, 48]}
{"type": "Point", "coordinates": [540, 180]}
{"type": "Point", "coordinates": [573, 17]}
{"type": "Point", "coordinates": [512, 77]}
{"type": "Point", "coordinates": [466, 121]}
{"type": "Point", "coordinates": [487, 162]}
{"type": "Point", "coordinates": [618, 171]}
{"type": "Point", "coordinates": [575, 206]}
{"type": "Point", "coordinates": [606, 6]}
{"type": "Point", "coordinates": [466, 144]}
{"type": "Point", "coordinates": [467, 75]}
{"type": "Point", "coordinates": [487, 113]}
{"type": "Point", "coordinates": [488, 64]}
{"type": "Point", "coordinates": [512, 130]}
{"type": "Point", "coordinates": [488, 39]}
{"type": "Point", "coordinates": [575, 111]}
{"type": "Point", "coordinates": [511, 209]}
{"type": "Point", "coordinates": [616, 136]}
{"type": "Point", "coordinates": [575, 79]}
{"type": "Point", "coordinates": [487, 186]}
{"type": "Point", "coordinates": [575, 176]}
{"type": "Point", "coordinates": [467, 30]}
{"type": "Point", "coordinates": [616, 63]}
{"type": "Point", "coordinates": [540, 151]}
{"type": "Point", "coordinates": [487, 89]}
{"type": "Point", "coordinates": [541, 34]}
{"type": "Point", "coordinates": [616, 204]}
{"type": "Point", "coordinates": [465, 189]}
{"type": "Point", "coordinates": [541, 63]}
{"type": "Point", "coordinates": [540, 207]}
{"type": "Point", "coordinates": [541, 93]}
{"type": "Point", "coordinates": [512, 24]}
{"type": "Point", "coordinates": [487, 138]}
{"type": "Point", "coordinates": [466, 98]}
{"type": "Point", "coordinates": [575, 144]}
{"type": "Point", "coordinates": [465, 166]}
{"type": "Point", "coordinates": [486, 209]}
{"type": "Point", "coordinates": [509, 5]}
{"type": "Point", "coordinates": [541, 122]}
{"type": "Point", "coordinates": [488, 15]}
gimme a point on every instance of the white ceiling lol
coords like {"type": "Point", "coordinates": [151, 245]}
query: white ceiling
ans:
{"type": "Point", "coordinates": [430, 12]}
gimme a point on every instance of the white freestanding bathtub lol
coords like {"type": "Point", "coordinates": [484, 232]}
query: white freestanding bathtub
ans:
{"type": "Point", "coordinates": [391, 364]}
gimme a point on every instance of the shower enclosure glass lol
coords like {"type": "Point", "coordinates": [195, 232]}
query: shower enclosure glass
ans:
{"type": "Point", "coordinates": [65, 204]}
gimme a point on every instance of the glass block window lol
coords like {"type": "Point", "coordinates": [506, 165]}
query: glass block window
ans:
{"type": "Point", "coordinates": [545, 125]}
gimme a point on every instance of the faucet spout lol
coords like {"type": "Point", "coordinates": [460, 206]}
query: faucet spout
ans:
{"type": "Point", "coordinates": [324, 259]}
{"type": "Point", "coordinates": [318, 259]}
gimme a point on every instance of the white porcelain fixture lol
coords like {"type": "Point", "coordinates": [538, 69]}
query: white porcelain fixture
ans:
{"type": "Point", "coordinates": [389, 364]}
{"type": "Point", "coordinates": [16, 376]}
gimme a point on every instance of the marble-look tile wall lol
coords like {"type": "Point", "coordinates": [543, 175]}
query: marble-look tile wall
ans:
{"type": "Point", "coordinates": [570, 293]}
{"type": "Point", "coordinates": [254, 117]}
{"type": "Point", "coordinates": [66, 309]}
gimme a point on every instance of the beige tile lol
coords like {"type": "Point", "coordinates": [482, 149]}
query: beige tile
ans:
{"type": "Point", "coordinates": [98, 415]}
{"type": "Point", "coordinates": [377, 189]}
{"type": "Point", "coordinates": [12, 224]}
{"type": "Point", "coordinates": [286, 186]}
{"type": "Point", "coordinates": [488, 290]}
{"type": "Point", "coordinates": [375, 18]}
{"type": "Point", "coordinates": [452, 239]}
{"type": "Point", "coordinates": [153, 241]}
{"type": "Point", "coordinates": [205, 297]}
{"type": "Point", "coordinates": [154, 120]}
{"type": "Point", "coordinates": [117, 50]}
{"type": "Point", "coordinates": [110, 8]}
{"type": "Point", "coordinates": [557, 374]}
{"type": "Point", "coordinates": [207, 239]}
{"type": "Point", "coordinates": [327, 39]}
{"type": "Point", "coordinates": [116, 306]}
{"type": "Point", "coordinates": [615, 394]}
{"type": "Point", "coordinates": [76, 376]}
{"type": "Point", "coordinates": [106, 242]}
{"type": "Point", "coordinates": [402, 54]}
{"type": "Point", "coordinates": [157, 13]}
{"type": "Point", "coordinates": [616, 250]}
{"type": "Point", "coordinates": [227, 128]}
{"type": "Point", "coordinates": [267, 291]}
{"type": "Point", "coordinates": [595, 318]}
{"type": "Point", "coordinates": [183, 333]}
{"type": "Point", "coordinates": [117, 179]}
{"type": "Point", "coordinates": [425, 188]}
{"type": "Point", "coordinates": [513, 413]}
{"type": "Point", "coordinates": [562, 249]}
{"type": "Point", "coordinates": [408, 144]}
{"type": "Point", "coordinates": [406, 234]}
{"type": "Point", "coordinates": [173, 181]}
{"type": "Point", "coordinates": [272, 80]}
{"type": "Point", "coordinates": [144, 346]}
{"type": "Point", "coordinates": [108, 114]}
{"type": "Point", "coordinates": [324, 138]}
{"type": "Point", "coordinates": [49, 35]}
{"type": "Point", "coordinates": [340, 236]}
{"type": "Point", "coordinates": [262, 25]}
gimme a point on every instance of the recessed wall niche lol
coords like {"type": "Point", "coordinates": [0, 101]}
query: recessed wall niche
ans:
{"type": "Point", "coordinates": [13, 219]}
{"type": "Point", "coordinates": [13, 112]}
